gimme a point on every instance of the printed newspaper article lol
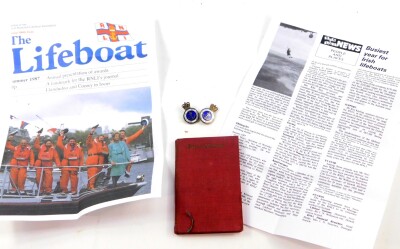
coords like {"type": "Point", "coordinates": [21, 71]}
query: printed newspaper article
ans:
{"type": "Point", "coordinates": [318, 119]}
{"type": "Point", "coordinates": [84, 118]}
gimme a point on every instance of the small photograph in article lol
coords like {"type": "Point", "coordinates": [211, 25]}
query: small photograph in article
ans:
{"type": "Point", "coordinates": [286, 59]}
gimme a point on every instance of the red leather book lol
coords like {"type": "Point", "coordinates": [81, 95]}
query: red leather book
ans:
{"type": "Point", "coordinates": [207, 185]}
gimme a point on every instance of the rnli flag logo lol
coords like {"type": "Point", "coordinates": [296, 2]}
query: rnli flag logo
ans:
{"type": "Point", "coordinates": [112, 32]}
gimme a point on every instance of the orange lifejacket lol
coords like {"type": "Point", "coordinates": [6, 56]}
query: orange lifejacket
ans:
{"type": "Point", "coordinates": [22, 156]}
{"type": "Point", "coordinates": [48, 156]}
{"type": "Point", "coordinates": [72, 156]}
{"type": "Point", "coordinates": [9, 145]}
{"type": "Point", "coordinates": [97, 151]}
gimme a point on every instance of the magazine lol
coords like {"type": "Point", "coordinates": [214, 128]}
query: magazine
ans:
{"type": "Point", "coordinates": [84, 126]}
{"type": "Point", "coordinates": [317, 118]}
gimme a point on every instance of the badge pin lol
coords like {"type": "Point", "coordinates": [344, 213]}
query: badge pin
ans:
{"type": "Point", "coordinates": [207, 115]}
{"type": "Point", "coordinates": [190, 115]}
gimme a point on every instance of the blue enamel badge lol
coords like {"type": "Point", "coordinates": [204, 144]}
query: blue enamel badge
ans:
{"type": "Point", "coordinates": [207, 115]}
{"type": "Point", "coordinates": [190, 115]}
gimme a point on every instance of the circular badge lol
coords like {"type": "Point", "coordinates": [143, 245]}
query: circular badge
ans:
{"type": "Point", "coordinates": [207, 115]}
{"type": "Point", "coordinates": [190, 115]}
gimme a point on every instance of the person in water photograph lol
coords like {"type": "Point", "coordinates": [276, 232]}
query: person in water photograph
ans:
{"type": "Point", "coordinates": [285, 60]}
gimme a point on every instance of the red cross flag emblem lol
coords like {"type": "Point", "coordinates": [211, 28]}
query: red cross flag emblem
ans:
{"type": "Point", "coordinates": [112, 32]}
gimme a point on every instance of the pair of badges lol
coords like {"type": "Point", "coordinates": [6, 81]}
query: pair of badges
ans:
{"type": "Point", "coordinates": [206, 115]}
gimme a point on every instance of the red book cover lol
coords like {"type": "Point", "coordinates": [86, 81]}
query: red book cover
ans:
{"type": "Point", "coordinates": [207, 185]}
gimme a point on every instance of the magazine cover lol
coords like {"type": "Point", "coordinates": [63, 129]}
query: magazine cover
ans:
{"type": "Point", "coordinates": [83, 126]}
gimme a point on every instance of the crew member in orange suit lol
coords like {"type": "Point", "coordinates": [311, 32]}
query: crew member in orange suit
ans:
{"type": "Point", "coordinates": [47, 157]}
{"type": "Point", "coordinates": [97, 152]}
{"type": "Point", "coordinates": [73, 156]}
{"type": "Point", "coordinates": [23, 157]}
{"type": "Point", "coordinates": [9, 149]}
{"type": "Point", "coordinates": [9, 143]}
{"type": "Point", "coordinates": [129, 140]}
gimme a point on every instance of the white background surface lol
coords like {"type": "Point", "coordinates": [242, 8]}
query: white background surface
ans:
{"type": "Point", "coordinates": [205, 49]}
